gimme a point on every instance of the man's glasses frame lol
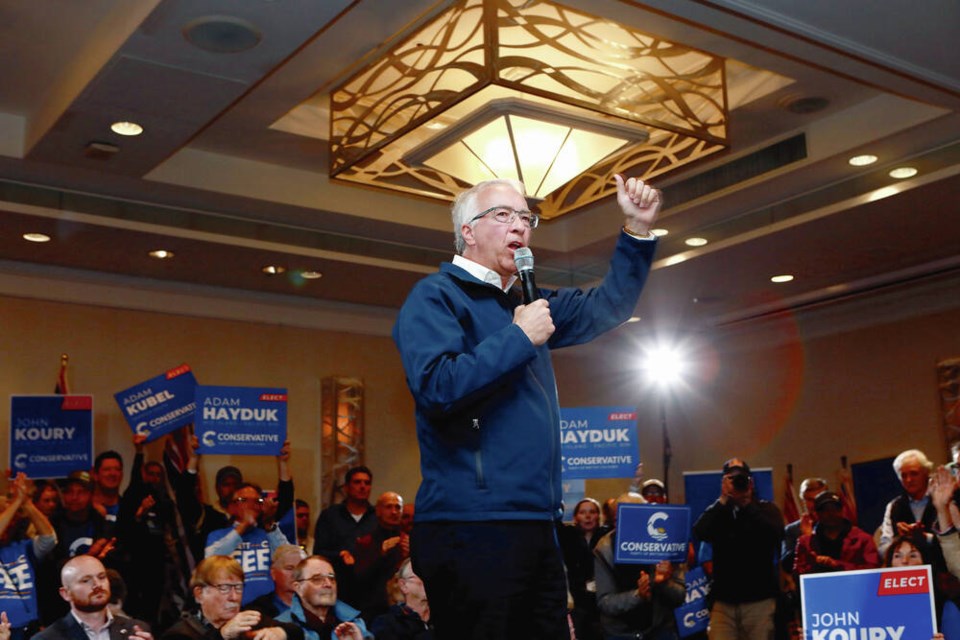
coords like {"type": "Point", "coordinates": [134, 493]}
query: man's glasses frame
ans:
{"type": "Point", "coordinates": [226, 587]}
{"type": "Point", "coordinates": [505, 215]}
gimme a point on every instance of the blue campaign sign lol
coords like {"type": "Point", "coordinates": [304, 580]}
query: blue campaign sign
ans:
{"type": "Point", "coordinates": [879, 604]}
{"type": "Point", "coordinates": [241, 420]}
{"type": "Point", "coordinates": [649, 533]}
{"type": "Point", "coordinates": [693, 616]}
{"type": "Point", "coordinates": [598, 442]}
{"type": "Point", "coordinates": [160, 405]}
{"type": "Point", "coordinates": [50, 436]}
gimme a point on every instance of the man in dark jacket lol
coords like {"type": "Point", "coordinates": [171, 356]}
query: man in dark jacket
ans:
{"type": "Point", "coordinates": [477, 362]}
{"type": "Point", "coordinates": [86, 588]}
{"type": "Point", "coordinates": [745, 533]}
{"type": "Point", "coordinates": [339, 525]}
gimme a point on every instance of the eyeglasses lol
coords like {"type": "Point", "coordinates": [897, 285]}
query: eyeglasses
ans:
{"type": "Point", "coordinates": [506, 215]}
{"type": "Point", "coordinates": [241, 500]}
{"type": "Point", "coordinates": [227, 587]}
{"type": "Point", "coordinates": [320, 578]}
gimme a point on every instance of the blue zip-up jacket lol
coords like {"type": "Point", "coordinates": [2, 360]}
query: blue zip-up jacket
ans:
{"type": "Point", "coordinates": [342, 611]}
{"type": "Point", "coordinates": [487, 413]}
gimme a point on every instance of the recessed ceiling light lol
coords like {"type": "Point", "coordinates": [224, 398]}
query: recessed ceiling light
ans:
{"type": "Point", "coordinates": [783, 278]}
{"type": "Point", "coordinates": [126, 128]}
{"type": "Point", "coordinates": [676, 259]}
{"type": "Point", "coordinates": [161, 254]}
{"type": "Point", "coordinates": [695, 242]}
{"type": "Point", "coordinates": [311, 275]}
{"type": "Point", "coordinates": [902, 173]}
{"type": "Point", "coordinates": [36, 237]}
{"type": "Point", "coordinates": [273, 269]}
{"type": "Point", "coordinates": [659, 232]}
{"type": "Point", "coordinates": [862, 161]}
{"type": "Point", "coordinates": [633, 319]}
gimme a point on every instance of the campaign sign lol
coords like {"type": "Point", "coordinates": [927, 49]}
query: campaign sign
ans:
{"type": "Point", "coordinates": [598, 442]}
{"type": "Point", "coordinates": [879, 604]}
{"type": "Point", "coordinates": [160, 405]}
{"type": "Point", "coordinates": [649, 533]}
{"type": "Point", "coordinates": [241, 420]}
{"type": "Point", "coordinates": [693, 616]}
{"type": "Point", "coordinates": [50, 436]}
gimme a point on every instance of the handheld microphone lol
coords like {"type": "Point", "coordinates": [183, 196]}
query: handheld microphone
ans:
{"type": "Point", "coordinates": [523, 257]}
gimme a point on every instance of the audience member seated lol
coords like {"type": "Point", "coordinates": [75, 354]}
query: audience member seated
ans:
{"type": "Point", "coordinates": [636, 600]}
{"type": "Point", "coordinates": [577, 542]}
{"type": "Point", "coordinates": [217, 586]}
{"type": "Point", "coordinates": [834, 544]}
{"type": "Point", "coordinates": [282, 565]}
{"type": "Point", "coordinates": [248, 541]}
{"type": "Point", "coordinates": [745, 534]}
{"type": "Point", "coordinates": [304, 536]}
{"type": "Point", "coordinates": [19, 558]}
{"type": "Point", "coordinates": [911, 512]}
{"type": "Point", "coordinates": [316, 609]}
{"type": "Point", "coordinates": [409, 615]}
{"type": "Point", "coordinates": [107, 477]}
{"type": "Point", "coordinates": [339, 525]}
{"type": "Point", "coordinates": [86, 587]}
{"type": "Point", "coordinates": [378, 556]}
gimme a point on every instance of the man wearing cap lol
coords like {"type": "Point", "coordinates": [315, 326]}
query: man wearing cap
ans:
{"type": "Point", "coordinates": [835, 544]}
{"type": "Point", "coordinates": [654, 491]}
{"type": "Point", "coordinates": [80, 528]}
{"type": "Point", "coordinates": [745, 534]}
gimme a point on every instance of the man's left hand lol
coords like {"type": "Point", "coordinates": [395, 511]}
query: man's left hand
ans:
{"type": "Point", "coordinates": [639, 202]}
{"type": "Point", "coordinates": [348, 631]}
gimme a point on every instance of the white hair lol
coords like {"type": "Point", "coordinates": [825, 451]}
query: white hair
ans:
{"type": "Point", "coordinates": [465, 205]}
{"type": "Point", "coordinates": [911, 454]}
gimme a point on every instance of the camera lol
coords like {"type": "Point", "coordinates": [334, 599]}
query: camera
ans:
{"type": "Point", "coordinates": [740, 481]}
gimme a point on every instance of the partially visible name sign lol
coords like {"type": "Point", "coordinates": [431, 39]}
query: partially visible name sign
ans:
{"type": "Point", "coordinates": [241, 420]}
{"type": "Point", "coordinates": [598, 442]}
{"type": "Point", "coordinates": [877, 604]}
{"type": "Point", "coordinates": [160, 405]}
{"type": "Point", "coordinates": [649, 533]}
{"type": "Point", "coordinates": [50, 436]}
{"type": "Point", "coordinates": [693, 616]}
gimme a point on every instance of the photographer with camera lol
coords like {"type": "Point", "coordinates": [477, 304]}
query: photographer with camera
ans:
{"type": "Point", "coordinates": [745, 533]}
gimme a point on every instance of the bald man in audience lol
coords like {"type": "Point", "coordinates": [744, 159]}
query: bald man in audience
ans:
{"type": "Point", "coordinates": [378, 556]}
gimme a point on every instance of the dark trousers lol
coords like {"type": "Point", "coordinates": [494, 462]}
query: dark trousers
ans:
{"type": "Point", "coordinates": [492, 580]}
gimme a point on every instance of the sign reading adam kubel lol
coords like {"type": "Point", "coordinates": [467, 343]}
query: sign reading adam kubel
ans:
{"type": "Point", "coordinates": [241, 420]}
{"type": "Point", "coordinates": [160, 405]}
{"type": "Point", "coordinates": [877, 604]}
{"type": "Point", "coordinates": [649, 533]}
{"type": "Point", "coordinates": [50, 436]}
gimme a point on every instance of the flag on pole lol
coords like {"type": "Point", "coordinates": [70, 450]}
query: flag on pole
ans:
{"type": "Point", "coordinates": [791, 510]}
{"type": "Point", "coordinates": [845, 482]}
{"type": "Point", "coordinates": [176, 448]}
{"type": "Point", "coordinates": [63, 385]}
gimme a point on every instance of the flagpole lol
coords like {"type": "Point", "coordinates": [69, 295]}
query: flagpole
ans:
{"type": "Point", "coordinates": [667, 450]}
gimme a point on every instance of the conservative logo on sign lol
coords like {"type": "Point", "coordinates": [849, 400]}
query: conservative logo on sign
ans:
{"type": "Point", "coordinates": [649, 533]}
{"type": "Point", "coordinates": [160, 405]}
{"type": "Point", "coordinates": [693, 616]}
{"type": "Point", "coordinates": [241, 420]}
{"type": "Point", "coordinates": [598, 442]}
{"type": "Point", "coordinates": [880, 604]}
{"type": "Point", "coordinates": [50, 436]}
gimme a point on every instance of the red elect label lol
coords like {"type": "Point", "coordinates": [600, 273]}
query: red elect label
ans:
{"type": "Point", "coordinates": [179, 371]}
{"type": "Point", "coordinates": [622, 416]}
{"type": "Point", "coordinates": [77, 403]}
{"type": "Point", "coordinates": [894, 583]}
{"type": "Point", "coordinates": [273, 397]}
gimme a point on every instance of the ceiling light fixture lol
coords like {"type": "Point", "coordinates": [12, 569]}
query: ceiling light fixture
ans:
{"type": "Point", "coordinates": [126, 128]}
{"type": "Point", "coordinates": [633, 319]}
{"type": "Point", "coordinates": [161, 254]}
{"type": "Point", "coordinates": [659, 232]}
{"type": "Point", "coordinates": [902, 173]}
{"type": "Point", "coordinates": [36, 237]}
{"type": "Point", "coordinates": [782, 278]}
{"type": "Point", "coordinates": [273, 269]}
{"type": "Point", "coordinates": [311, 275]}
{"type": "Point", "coordinates": [862, 160]}
{"type": "Point", "coordinates": [695, 242]}
{"type": "Point", "coordinates": [535, 91]}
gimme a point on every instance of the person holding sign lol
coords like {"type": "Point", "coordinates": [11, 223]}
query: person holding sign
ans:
{"type": "Point", "coordinates": [476, 352]}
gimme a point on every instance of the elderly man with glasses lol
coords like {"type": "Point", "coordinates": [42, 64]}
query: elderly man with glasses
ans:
{"type": "Point", "coordinates": [217, 586]}
{"type": "Point", "coordinates": [477, 361]}
{"type": "Point", "coordinates": [316, 609]}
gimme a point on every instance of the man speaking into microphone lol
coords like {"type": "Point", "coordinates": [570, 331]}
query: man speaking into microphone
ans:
{"type": "Point", "coordinates": [476, 353]}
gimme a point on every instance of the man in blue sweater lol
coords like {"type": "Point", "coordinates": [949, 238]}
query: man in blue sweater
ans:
{"type": "Point", "coordinates": [477, 362]}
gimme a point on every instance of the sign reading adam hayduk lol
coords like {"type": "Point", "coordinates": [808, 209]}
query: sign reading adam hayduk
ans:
{"type": "Point", "coordinates": [50, 436]}
{"type": "Point", "coordinates": [873, 604]}
{"type": "Point", "coordinates": [160, 405]}
{"type": "Point", "coordinates": [241, 420]}
{"type": "Point", "coordinates": [649, 533]}
{"type": "Point", "coordinates": [693, 616]}
{"type": "Point", "coordinates": [598, 442]}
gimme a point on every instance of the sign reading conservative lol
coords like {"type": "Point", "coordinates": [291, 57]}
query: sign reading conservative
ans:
{"type": "Point", "coordinates": [598, 442]}
{"type": "Point", "coordinates": [50, 436]}
{"type": "Point", "coordinates": [879, 604]}
{"type": "Point", "coordinates": [241, 420]}
{"type": "Point", "coordinates": [160, 405]}
{"type": "Point", "coordinates": [649, 533]}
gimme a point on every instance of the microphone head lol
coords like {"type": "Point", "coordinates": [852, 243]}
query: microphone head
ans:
{"type": "Point", "coordinates": [523, 258]}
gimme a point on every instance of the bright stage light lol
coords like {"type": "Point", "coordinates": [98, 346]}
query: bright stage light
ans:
{"type": "Point", "coordinates": [664, 365]}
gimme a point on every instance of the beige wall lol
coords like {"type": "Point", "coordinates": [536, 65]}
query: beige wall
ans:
{"type": "Point", "coordinates": [113, 349]}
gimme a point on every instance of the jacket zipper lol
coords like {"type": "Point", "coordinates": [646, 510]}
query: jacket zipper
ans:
{"type": "Point", "coordinates": [478, 457]}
